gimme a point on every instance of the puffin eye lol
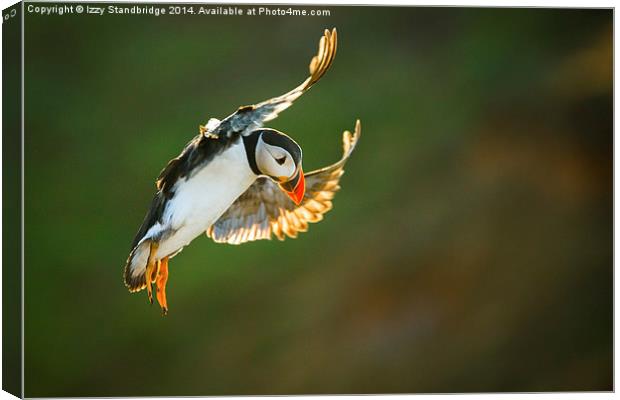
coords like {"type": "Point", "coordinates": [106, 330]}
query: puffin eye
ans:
{"type": "Point", "coordinates": [281, 160]}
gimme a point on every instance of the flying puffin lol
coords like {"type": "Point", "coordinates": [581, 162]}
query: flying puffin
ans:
{"type": "Point", "coordinates": [237, 182]}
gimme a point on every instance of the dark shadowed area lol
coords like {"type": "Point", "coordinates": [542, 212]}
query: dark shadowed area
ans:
{"type": "Point", "coordinates": [470, 248]}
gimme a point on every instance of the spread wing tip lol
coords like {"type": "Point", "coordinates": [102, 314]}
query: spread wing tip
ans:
{"type": "Point", "coordinates": [256, 115]}
{"type": "Point", "coordinates": [349, 140]}
{"type": "Point", "coordinates": [321, 62]}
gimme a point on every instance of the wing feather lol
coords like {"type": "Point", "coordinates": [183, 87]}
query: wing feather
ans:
{"type": "Point", "coordinates": [248, 118]}
{"type": "Point", "coordinates": [264, 211]}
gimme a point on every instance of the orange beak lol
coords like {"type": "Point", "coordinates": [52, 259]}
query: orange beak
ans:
{"type": "Point", "coordinates": [295, 188]}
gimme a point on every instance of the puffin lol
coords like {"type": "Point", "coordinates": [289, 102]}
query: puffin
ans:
{"type": "Point", "coordinates": [237, 182]}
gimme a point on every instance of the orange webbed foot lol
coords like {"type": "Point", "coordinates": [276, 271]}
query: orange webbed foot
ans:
{"type": "Point", "coordinates": [160, 283]}
{"type": "Point", "coordinates": [152, 267]}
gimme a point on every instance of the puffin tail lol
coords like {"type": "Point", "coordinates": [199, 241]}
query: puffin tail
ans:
{"type": "Point", "coordinates": [135, 268]}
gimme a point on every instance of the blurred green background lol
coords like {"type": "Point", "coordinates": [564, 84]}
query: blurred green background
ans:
{"type": "Point", "coordinates": [470, 248]}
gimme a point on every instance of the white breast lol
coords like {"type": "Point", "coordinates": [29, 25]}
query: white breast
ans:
{"type": "Point", "coordinates": [200, 200]}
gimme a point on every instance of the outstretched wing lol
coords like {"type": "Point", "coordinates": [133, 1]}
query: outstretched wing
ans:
{"type": "Point", "coordinates": [264, 209]}
{"type": "Point", "coordinates": [248, 118]}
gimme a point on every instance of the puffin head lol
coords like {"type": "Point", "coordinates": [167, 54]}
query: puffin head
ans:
{"type": "Point", "coordinates": [279, 157]}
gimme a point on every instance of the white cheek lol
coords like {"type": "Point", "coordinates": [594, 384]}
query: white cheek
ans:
{"type": "Point", "coordinates": [285, 171]}
{"type": "Point", "coordinates": [289, 167]}
{"type": "Point", "coordinates": [265, 162]}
